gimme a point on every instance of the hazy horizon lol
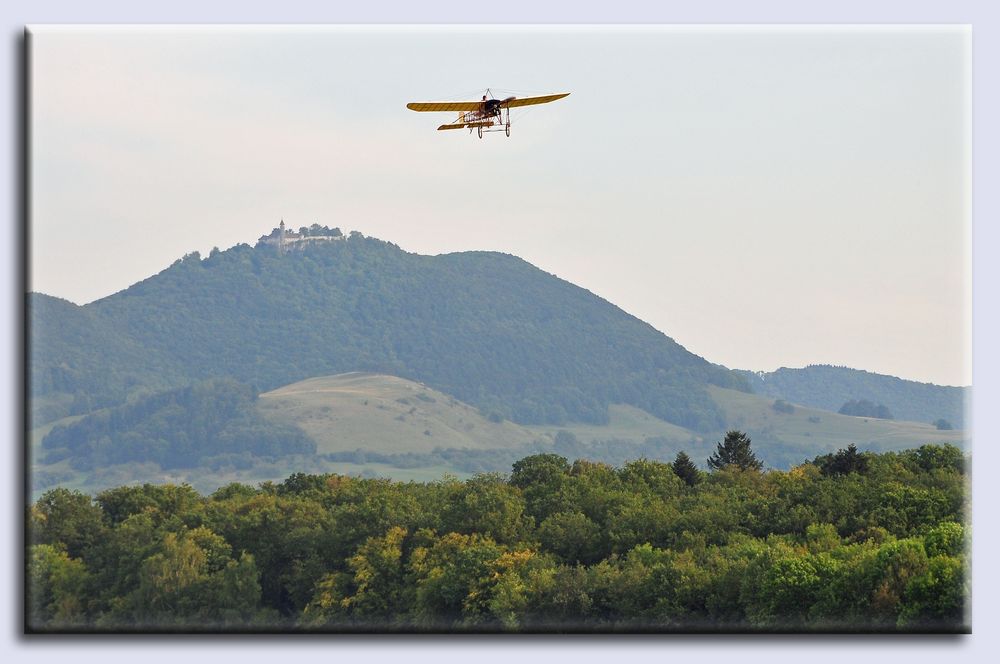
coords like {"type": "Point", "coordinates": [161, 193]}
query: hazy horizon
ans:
{"type": "Point", "coordinates": [766, 197]}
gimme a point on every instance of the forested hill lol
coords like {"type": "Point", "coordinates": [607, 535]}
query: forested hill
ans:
{"type": "Point", "coordinates": [488, 328]}
{"type": "Point", "coordinates": [79, 360]}
{"type": "Point", "coordinates": [828, 387]}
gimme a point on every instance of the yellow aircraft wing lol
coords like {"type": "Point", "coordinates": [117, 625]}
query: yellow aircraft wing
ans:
{"type": "Point", "coordinates": [528, 101]}
{"type": "Point", "coordinates": [461, 106]}
{"type": "Point", "coordinates": [464, 125]}
{"type": "Point", "coordinates": [468, 106]}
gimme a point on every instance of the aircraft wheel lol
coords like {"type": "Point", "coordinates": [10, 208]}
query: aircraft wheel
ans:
{"type": "Point", "coordinates": [480, 132]}
{"type": "Point", "coordinates": [508, 130]}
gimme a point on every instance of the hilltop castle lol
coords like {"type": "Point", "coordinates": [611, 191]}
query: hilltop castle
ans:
{"type": "Point", "coordinates": [286, 240]}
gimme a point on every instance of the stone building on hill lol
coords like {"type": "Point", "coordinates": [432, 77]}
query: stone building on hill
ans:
{"type": "Point", "coordinates": [286, 240]}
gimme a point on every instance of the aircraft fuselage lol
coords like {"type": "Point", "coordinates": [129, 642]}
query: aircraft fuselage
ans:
{"type": "Point", "coordinates": [488, 109]}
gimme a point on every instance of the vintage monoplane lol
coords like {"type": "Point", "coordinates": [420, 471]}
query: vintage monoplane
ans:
{"type": "Point", "coordinates": [488, 114]}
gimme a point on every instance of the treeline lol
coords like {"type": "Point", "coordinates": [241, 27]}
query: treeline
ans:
{"type": "Point", "coordinates": [836, 544]}
{"type": "Point", "coordinates": [209, 423]}
{"type": "Point", "coordinates": [564, 443]}
{"type": "Point", "coordinates": [775, 453]}
{"type": "Point", "coordinates": [487, 328]}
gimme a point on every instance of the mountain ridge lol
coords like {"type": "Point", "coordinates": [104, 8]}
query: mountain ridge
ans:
{"type": "Point", "coordinates": [526, 338]}
{"type": "Point", "coordinates": [490, 328]}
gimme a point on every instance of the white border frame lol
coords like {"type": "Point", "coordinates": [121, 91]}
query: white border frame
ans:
{"type": "Point", "coordinates": [982, 15]}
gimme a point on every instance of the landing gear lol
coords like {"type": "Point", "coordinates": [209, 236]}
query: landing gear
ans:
{"type": "Point", "coordinates": [480, 132]}
{"type": "Point", "coordinates": [507, 129]}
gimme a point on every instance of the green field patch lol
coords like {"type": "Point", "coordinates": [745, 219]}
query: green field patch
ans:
{"type": "Point", "coordinates": [385, 414]}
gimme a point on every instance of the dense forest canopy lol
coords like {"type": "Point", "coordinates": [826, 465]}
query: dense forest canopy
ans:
{"type": "Point", "coordinates": [212, 422]}
{"type": "Point", "coordinates": [850, 541]}
{"type": "Point", "coordinates": [488, 328]}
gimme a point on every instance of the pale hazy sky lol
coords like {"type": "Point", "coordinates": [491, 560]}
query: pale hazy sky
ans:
{"type": "Point", "coordinates": [766, 196]}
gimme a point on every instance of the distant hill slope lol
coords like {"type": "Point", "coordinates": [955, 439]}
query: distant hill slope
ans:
{"type": "Point", "coordinates": [829, 388]}
{"type": "Point", "coordinates": [388, 415]}
{"type": "Point", "coordinates": [216, 432]}
{"type": "Point", "coordinates": [487, 328]}
{"type": "Point", "coordinates": [786, 438]}
{"type": "Point", "coordinates": [210, 422]}
{"type": "Point", "coordinates": [624, 423]}
{"type": "Point", "coordinates": [79, 361]}
{"type": "Point", "coordinates": [384, 414]}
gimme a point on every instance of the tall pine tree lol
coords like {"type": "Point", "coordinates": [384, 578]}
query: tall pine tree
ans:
{"type": "Point", "coordinates": [685, 469]}
{"type": "Point", "coordinates": [735, 450]}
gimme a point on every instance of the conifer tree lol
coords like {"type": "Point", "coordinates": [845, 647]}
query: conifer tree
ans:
{"type": "Point", "coordinates": [685, 469]}
{"type": "Point", "coordinates": [735, 450]}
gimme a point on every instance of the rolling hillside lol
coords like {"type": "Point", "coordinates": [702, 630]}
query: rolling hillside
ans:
{"type": "Point", "coordinates": [624, 423]}
{"type": "Point", "coordinates": [829, 388]}
{"type": "Point", "coordinates": [785, 439]}
{"type": "Point", "coordinates": [381, 425]}
{"type": "Point", "coordinates": [390, 415]}
{"type": "Point", "coordinates": [487, 328]}
{"type": "Point", "coordinates": [385, 414]}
